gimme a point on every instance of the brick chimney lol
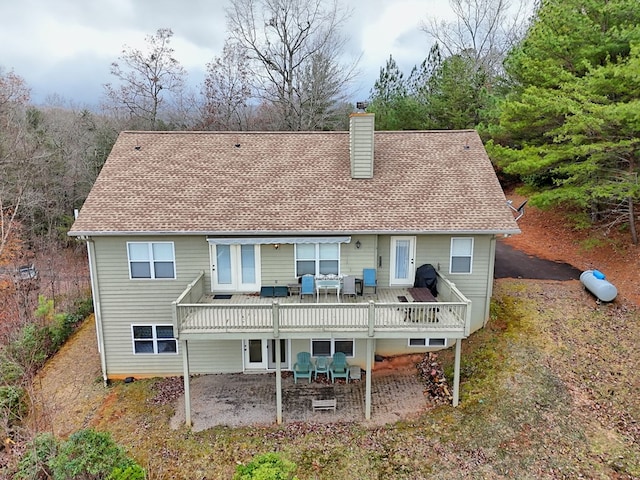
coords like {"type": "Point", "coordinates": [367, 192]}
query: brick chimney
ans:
{"type": "Point", "coordinates": [361, 126]}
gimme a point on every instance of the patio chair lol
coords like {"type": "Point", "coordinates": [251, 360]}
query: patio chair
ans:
{"type": "Point", "coordinates": [322, 366]}
{"type": "Point", "coordinates": [348, 285]}
{"type": "Point", "coordinates": [339, 367]}
{"type": "Point", "coordinates": [307, 286]}
{"type": "Point", "coordinates": [369, 280]}
{"type": "Point", "coordinates": [303, 368]}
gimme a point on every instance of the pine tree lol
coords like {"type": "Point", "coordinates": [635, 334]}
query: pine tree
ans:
{"type": "Point", "coordinates": [571, 129]}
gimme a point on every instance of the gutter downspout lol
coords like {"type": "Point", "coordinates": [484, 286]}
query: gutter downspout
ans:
{"type": "Point", "coordinates": [97, 308]}
{"type": "Point", "coordinates": [492, 267]}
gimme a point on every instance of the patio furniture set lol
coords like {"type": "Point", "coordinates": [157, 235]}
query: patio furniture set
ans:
{"type": "Point", "coordinates": [336, 367]}
{"type": "Point", "coordinates": [342, 284]}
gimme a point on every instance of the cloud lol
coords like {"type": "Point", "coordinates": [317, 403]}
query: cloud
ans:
{"type": "Point", "coordinates": [67, 46]}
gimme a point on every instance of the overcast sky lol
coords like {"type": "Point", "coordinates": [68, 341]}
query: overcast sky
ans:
{"type": "Point", "coordinates": [65, 47]}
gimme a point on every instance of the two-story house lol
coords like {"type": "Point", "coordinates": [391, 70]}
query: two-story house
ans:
{"type": "Point", "coordinates": [198, 241]}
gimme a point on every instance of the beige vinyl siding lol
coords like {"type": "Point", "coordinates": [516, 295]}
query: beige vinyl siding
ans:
{"type": "Point", "coordinates": [278, 266]}
{"type": "Point", "coordinates": [298, 345]}
{"type": "Point", "coordinates": [215, 356]}
{"type": "Point", "coordinates": [353, 260]}
{"type": "Point", "coordinates": [382, 261]}
{"type": "Point", "coordinates": [436, 250]}
{"type": "Point", "coordinates": [125, 302]}
{"type": "Point", "coordinates": [361, 145]}
{"type": "Point", "coordinates": [398, 346]}
{"type": "Point", "coordinates": [474, 285]}
{"type": "Point", "coordinates": [148, 302]}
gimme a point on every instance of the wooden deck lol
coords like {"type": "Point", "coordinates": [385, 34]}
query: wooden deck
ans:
{"type": "Point", "coordinates": [383, 296]}
{"type": "Point", "coordinates": [390, 313]}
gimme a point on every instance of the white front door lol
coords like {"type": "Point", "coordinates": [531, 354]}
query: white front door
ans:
{"type": "Point", "coordinates": [255, 354]}
{"type": "Point", "coordinates": [261, 354]}
{"type": "Point", "coordinates": [402, 264]}
{"type": "Point", "coordinates": [235, 268]}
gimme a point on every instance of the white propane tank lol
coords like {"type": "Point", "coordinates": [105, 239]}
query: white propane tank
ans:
{"type": "Point", "coordinates": [596, 283]}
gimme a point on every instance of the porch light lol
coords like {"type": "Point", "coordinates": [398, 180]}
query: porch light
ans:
{"type": "Point", "coordinates": [276, 246]}
{"type": "Point", "coordinates": [358, 244]}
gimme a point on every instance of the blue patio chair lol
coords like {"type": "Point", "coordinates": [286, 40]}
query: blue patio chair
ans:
{"type": "Point", "coordinates": [303, 368]}
{"type": "Point", "coordinates": [339, 367]}
{"type": "Point", "coordinates": [369, 280]}
{"type": "Point", "coordinates": [307, 286]}
{"type": "Point", "coordinates": [322, 366]}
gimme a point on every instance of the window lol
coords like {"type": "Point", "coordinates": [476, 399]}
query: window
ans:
{"type": "Point", "coordinates": [461, 255]}
{"type": "Point", "coordinates": [327, 347]}
{"type": "Point", "coordinates": [151, 260]}
{"type": "Point", "coordinates": [317, 259]}
{"type": "Point", "coordinates": [155, 339]}
{"type": "Point", "coordinates": [427, 342]}
{"type": "Point", "coordinates": [321, 348]}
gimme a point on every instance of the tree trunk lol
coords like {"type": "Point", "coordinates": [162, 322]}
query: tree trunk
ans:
{"type": "Point", "coordinates": [632, 222]}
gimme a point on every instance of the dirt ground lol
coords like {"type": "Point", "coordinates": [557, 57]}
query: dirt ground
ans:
{"type": "Point", "coordinates": [548, 235]}
{"type": "Point", "coordinates": [69, 390]}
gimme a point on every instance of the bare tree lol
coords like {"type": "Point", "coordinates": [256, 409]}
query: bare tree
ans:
{"type": "Point", "coordinates": [226, 91]}
{"type": "Point", "coordinates": [483, 30]}
{"type": "Point", "coordinates": [294, 47]}
{"type": "Point", "coordinates": [17, 153]}
{"type": "Point", "coordinates": [78, 142]}
{"type": "Point", "coordinates": [147, 79]}
{"type": "Point", "coordinates": [49, 158]}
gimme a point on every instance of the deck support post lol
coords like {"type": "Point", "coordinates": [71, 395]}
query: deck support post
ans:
{"type": "Point", "coordinates": [187, 391]}
{"type": "Point", "coordinates": [367, 404]}
{"type": "Point", "coordinates": [278, 383]}
{"type": "Point", "coordinates": [371, 315]}
{"type": "Point", "coordinates": [275, 317]}
{"type": "Point", "coordinates": [456, 373]}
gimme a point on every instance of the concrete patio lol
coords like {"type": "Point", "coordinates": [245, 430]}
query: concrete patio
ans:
{"type": "Point", "coordinates": [241, 399]}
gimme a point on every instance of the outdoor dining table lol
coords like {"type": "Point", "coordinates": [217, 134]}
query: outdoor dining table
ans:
{"type": "Point", "coordinates": [328, 284]}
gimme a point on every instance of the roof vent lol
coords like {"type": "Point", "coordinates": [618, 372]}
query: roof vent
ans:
{"type": "Point", "coordinates": [519, 212]}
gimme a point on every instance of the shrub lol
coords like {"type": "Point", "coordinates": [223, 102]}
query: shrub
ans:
{"type": "Point", "coordinates": [55, 325]}
{"type": "Point", "coordinates": [34, 463]}
{"type": "Point", "coordinates": [87, 455]}
{"type": "Point", "coordinates": [268, 466]}
{"type": "Point", "coordinates": [36, 343]}
{"type": "Point", "coordinates": [12, 404]}
{"type": "Point", "coordinates": [91, 455]}
{"type": "Point", "coordinates": [82, 308]}
{"type": "Point", "coordinates": [60, 331]}
{"type": "Point", "coordinates": [134, 472]}
{"type": "Point", "coordinates": [10, 371]}
{"type": "Point", "coordinates": [31, 348]}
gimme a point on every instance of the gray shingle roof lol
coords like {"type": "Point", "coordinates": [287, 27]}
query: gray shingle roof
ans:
{"type": "Point", "coordinates": [294, 182]}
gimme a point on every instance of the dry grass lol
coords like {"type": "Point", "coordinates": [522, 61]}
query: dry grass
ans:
{"type": "Point", "coordinates": [550, 391]}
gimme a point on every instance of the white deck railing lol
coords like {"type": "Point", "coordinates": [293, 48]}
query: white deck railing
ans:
{"type": "Point", "coordinates": [290, 319]}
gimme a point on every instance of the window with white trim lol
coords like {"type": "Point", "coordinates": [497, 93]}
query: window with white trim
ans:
{"type": "Point", "coordinates": [427, 342]}
{"type": "Point", "coordinates": [461, 255]}
{"type": "Point", "coordinates": [317, 259]}
{"type": "Point", "coordinates": [326, 347]}
{"type": "Point", "coordinates": [154, 339]}
{"type": "Point", "coordinates": [151, 260]}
